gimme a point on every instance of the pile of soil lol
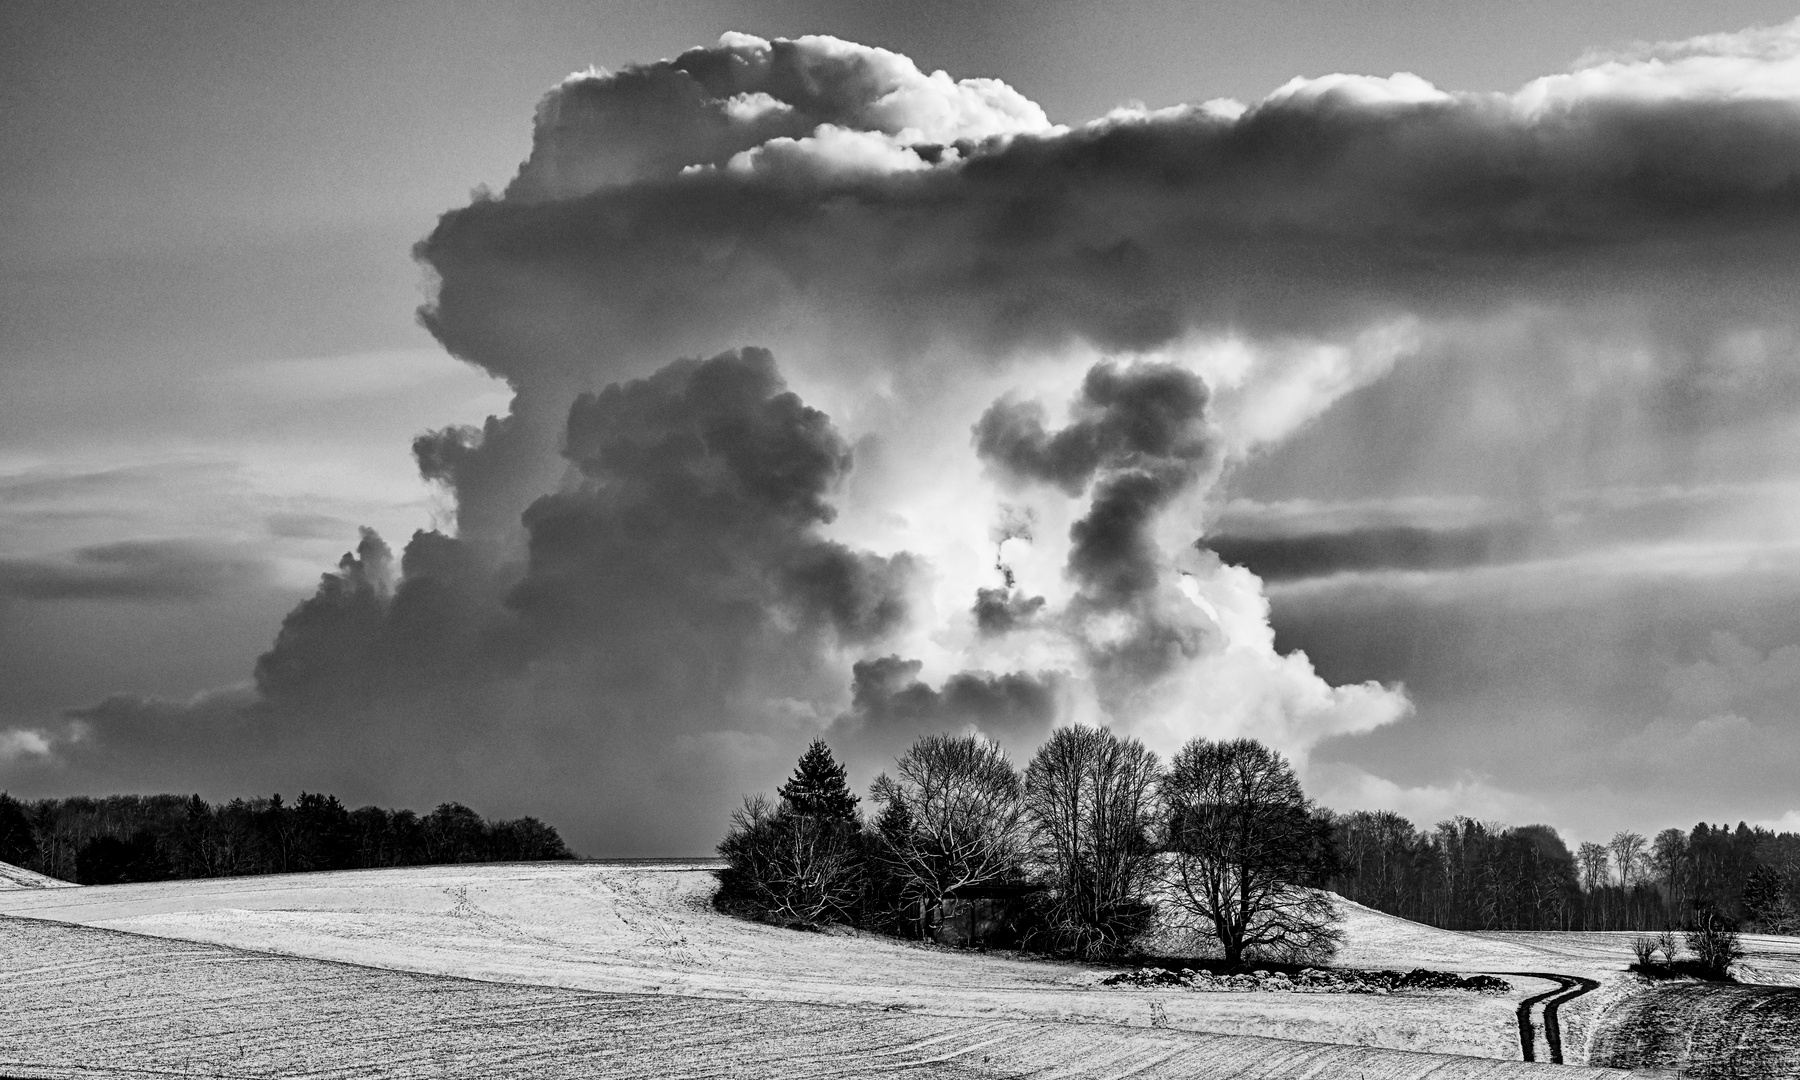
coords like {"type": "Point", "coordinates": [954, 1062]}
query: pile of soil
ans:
{"type": "Point", "coordinates": [1311, 981]}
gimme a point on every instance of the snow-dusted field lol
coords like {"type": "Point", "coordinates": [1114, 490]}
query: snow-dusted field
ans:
{"type": "Point", "coordinates": [83, 1002]}
{"type": "Point", "coordinates": [17, 877]}
{"type": "Point", "coordinates": [1768, 958]}
{"type": "Point", "coordinates": [541, 939]}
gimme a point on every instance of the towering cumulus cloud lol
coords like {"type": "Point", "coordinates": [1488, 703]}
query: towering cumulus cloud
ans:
{"type": "Point", "coordinates": [855, 399]}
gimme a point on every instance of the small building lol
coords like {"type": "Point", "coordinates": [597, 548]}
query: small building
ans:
{"type": "Point", "coordinates": [991, 915]}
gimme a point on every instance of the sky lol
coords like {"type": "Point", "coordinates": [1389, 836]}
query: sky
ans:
{"type": "Point", "coordinates": [1408, 385]}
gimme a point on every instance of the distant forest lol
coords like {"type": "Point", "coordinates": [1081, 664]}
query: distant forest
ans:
{"type": "Point", "coordinates": [1470, 875]}
{"type": "Point", "coordinates": [123, 838]}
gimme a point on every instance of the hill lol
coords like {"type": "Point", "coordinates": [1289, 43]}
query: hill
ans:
{"type": "Point", "coordinates": [649, 928]}
{"type": "Point", "coordinates": [17, 877]}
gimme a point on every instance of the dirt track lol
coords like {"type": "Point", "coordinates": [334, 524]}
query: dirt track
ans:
{"type": "Point", "coordinates": [1569, 987]}
{"type": "Point", "coordinates": [82, 1002]}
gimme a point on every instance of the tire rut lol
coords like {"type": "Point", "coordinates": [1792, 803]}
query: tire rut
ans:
{"type": "Point", "coordinates": [1569, 987]}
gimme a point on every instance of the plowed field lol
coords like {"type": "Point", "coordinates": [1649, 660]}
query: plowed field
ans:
{"type": "Point", "coordinates": [83, 1002]}
{"type": "Point", "coordinates": [649, 928]}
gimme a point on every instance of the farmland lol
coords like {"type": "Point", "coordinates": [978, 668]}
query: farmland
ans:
{"type": "Point", "coordinates": [477, 969]}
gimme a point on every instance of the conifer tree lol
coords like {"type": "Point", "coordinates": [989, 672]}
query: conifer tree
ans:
{"type": "Point", "coordinates": [18, 844]}
{"type": "Point", "coordinates": [818, 787]}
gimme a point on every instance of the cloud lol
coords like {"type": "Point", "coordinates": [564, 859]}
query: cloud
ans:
{"type": "Point", "coordinates": [998, 611]}
{"type": "Point", "coordinates": [138, 570]}
{"type": "Point", "coordinates": [666, 573]}
{"type": "Point", "coordinates": [18, 742]}
{"type": "Point", "coordinates": [748, 98]}
{"type": "Point", "coordinates": [1139, 439]}
{"type": "Point", "coordinates": [1399, 547]}
{"type": "Point", "coordinates": [675, 588]}
{"type": "Point", "coordinates": [891, 706]}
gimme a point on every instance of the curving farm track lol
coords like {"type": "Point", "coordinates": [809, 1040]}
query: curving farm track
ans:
{"type": "Point", "coordinates": [1569, 987]}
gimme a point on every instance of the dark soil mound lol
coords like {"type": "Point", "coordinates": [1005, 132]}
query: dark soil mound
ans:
{"type": "Point", "coordinates": [1309, 980]}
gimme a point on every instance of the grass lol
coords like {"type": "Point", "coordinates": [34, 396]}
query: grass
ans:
{"type": "Point", "coordinates": [1681, 969]}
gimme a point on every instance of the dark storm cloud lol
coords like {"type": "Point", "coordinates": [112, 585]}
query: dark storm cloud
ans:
{"type": "Point", "coordinates": [678, 580]}
{"type": "Point", "coordinates": [1310, 211]}
{"type": "Point", "coordinates": [1139, 431]}
{"type": "Point", "coordinates": [328, 642]}
{"type": "Point", "coordinates": [1139, 440]}
{"type": "Point", "coordinates": [1000, 611]}
{"type": "Point", "coordinates": [1397, 547]}
{"type": "Point", "coordinates": [704, 485]}
{"type": "Point", "coordinates": [891, 705]}
{"type": "Point", "coordinates": [132, 570]}
{"type": "Point", "coordinates": [691, 532]}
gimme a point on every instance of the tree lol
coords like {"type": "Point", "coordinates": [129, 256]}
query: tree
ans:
{"type": "Point", "coordinates": [1668, 861]}
{"type": "Point", "coordinates": [818, 786]}
{"type": "Point", "coordinates": [799, 860]}
{"type": "Point", "coordinates": [1090, 805]}
{"type": "Point", "coordinates": [1241, 843]}
{"type": "Point", "coordinates": [1766, 901]}
{"type": "Point", "coordinates": [1627, 850]}
{"type": "Point", "coordinates": [962, 803]}
{"type": "Point", "coordinates": [526, 840]}
{"type": "Point", "coordinates": [789, 868]}
{"type": "Point", "coordinates": [322, 830]}
{"type": "Point", "coordinates": [1592, 858]}
{"type": "Point", "coordinates": [453, 833]}
{"type": "Point", "coordinates": [108, 860]}
{"type": "Point", "coordinates": [18, 843]}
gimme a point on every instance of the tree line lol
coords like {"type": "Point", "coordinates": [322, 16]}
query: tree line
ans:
{"type": "Point", "coordinates": [1092, 843]}
{"type": "Point", "coordinates": [121, 838]}
{"type": "Point", "coordinates": [1469, 875]}
{"type": "Point", "coordinates": [1096, 841]}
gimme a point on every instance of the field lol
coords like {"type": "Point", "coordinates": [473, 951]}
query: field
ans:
{"type": "Point", "coordinates": [16, 877]}
{"type": "Point", "coordinates": [479, 970]}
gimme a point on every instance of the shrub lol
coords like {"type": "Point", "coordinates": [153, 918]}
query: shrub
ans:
{"type": "Point", "coordinates": [1644, 948]}
{"type": "Point", "coordinates": [1667, 943]}
{"type": "Point", "coordinates": [1713, 940]}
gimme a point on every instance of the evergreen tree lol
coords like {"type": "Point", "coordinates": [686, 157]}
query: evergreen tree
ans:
{"type": "Point", "coordinates": [818, 787]}
{"type": "Point", "coordinates": [1766, 901]}
{"type": "Point", "coordinates": [18, 844]}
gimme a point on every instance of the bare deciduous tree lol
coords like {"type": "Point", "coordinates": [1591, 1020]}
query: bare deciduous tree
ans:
{"type": "Point", "coordinates": [1090, 804]}
{"type": "Point", "coordinates": [961, 801]}
{"type": "Point", "coordinates": [1240, 844]}
{"type": "Point", "coordinates": [1668, 860]}
{"type": "Point", "coordinates": [789, 867]}
{"type": "Point", "coordinates": [1592, 858]}
{"type": "Point", "coordinates": [1627, 850]}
